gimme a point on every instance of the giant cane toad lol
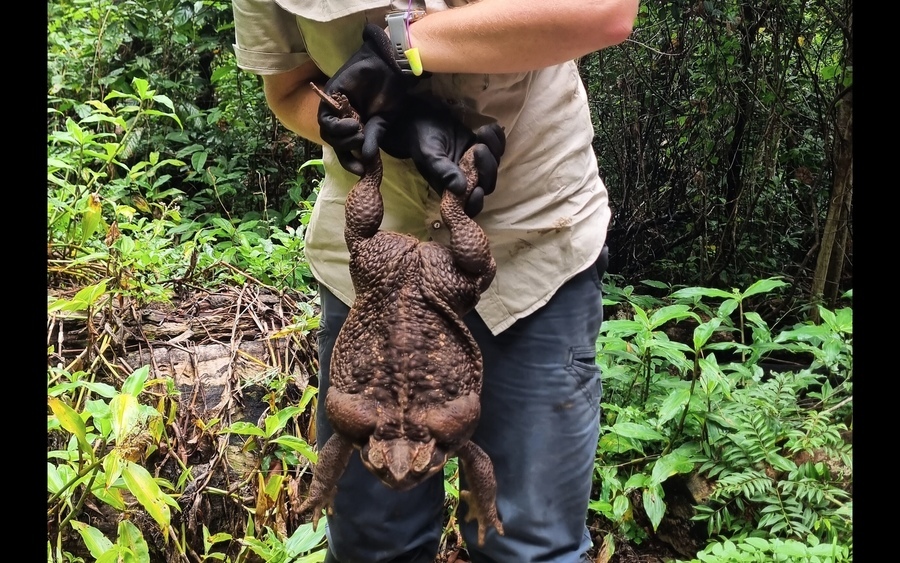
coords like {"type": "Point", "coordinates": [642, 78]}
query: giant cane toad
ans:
{"type": "Point", "coordinates": [405, 370]}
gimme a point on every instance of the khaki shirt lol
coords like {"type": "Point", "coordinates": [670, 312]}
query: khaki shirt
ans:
{"type": "Point", "coordinates": [548, 217]}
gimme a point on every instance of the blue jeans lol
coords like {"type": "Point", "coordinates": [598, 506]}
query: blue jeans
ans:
{"type": "Point", "coordinates": [540, 418]}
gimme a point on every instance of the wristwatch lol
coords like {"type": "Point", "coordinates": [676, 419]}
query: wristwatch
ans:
{"type": "Point", "coordinates": [398, 22]}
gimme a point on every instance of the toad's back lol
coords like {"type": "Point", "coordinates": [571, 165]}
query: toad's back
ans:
{"type": "Point", "coordinates": [403, 343]}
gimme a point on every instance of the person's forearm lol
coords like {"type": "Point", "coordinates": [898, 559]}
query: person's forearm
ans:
{"type": "Point", "coordinates": [294, 102]}
{"type": "Point", "coordinates": [499, 36]}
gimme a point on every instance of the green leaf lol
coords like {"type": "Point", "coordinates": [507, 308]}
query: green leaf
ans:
{"type": "Point", "coordinates": [615, 443]}
{"type": "Point", "coordinates": [198, 160]}
{"type": "Point", "coordinates": [134, 383]}
{"type": "Point", "coordinates": [636, 431]}
{"type": "Point", "coordinates": [640, 315]}
{"type": "Point", "coordinates": [116, 94]}
{"type": "Point", "coordinates": [85, 297]}
{"type": "Point", "coordinates": [273, 485]}
{"type": "Point", "coordinates": [125, 416]}
{"type": "Point", "coordinates": [275, 423]}
{"type": "Point", "coordinates": [130, 537]}
{"type": "Point", "coordinates": [102, 389]}
{"type": "Point", "coordinates": [704, 331]}
{"type": "Point", "coordinates": [791, 548]}
{"type": "Point", "coordinates": [111, 496]}
{"type": "Point", "coordinates": [674, 404]}
{"type": "Point", "coordinates": [670, 464]}
{"type": "Point", "coordinates": [244, 428]}
{"type": "Point", "coordinates": [763, 286]}
{"type": "Point", "coordinates": [96, 542]}
{"type": "Point", "coordinates": [304, 539]}
{"type": "Point", "coordinates": [313, 162]}
{"type": "Point", "coordinates": [112, 466]}
{"type": "Point", "coordinates": [726, 308]}
{"type": "Point", "coordinates": [781, 463]}
{"type": "Point", "coordinates": [636, 481]}
{"type": "Point", "coordinates": [74, 130]}
{"type": "Point", "coordinates": [55, 481]}
{"type": "Point", "coordinates": [656, 284]}
{"type": "Point", "coordinates": [299, 445]}
{"type": "Point", "coordinates": [693, 292]}
{"type": "Point", "coordinates": [220, 73]}
{"type": "Point", "coordinates": [72, 422]}
{"type": "Point", "coordinates": [759, 543]}
{"type": "Point", "coordinates": [621, 504]}
{"type": "Point", "coordinates": [142, 87]}
{"type": "Point", "coordinates": [164, 100]}
{"type": "Point", "coordinates": [114, 555]}
{"type": "Point", "coordinates": [308, 393]}
{"type": "Point", "coordinates": [668, 313]}
{"type": "Point", "coordinates": [654, 505]}
{"type": "Point", "coordinates": [164, 114]}
{"type": "Point", "coordinates": [147, 492]}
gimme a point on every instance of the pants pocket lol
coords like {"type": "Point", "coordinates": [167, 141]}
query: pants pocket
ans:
{"type": "Point", "coordinates": [582, 367]}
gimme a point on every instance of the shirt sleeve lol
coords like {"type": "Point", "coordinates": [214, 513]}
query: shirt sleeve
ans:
{"type": "Point", "coordinates": [267, 38]}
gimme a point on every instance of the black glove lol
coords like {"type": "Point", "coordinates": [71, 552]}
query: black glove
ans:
{"type": "Point", "coordinates": [375, 86]}
{"type": "Point", "coordinates": [436, 141]}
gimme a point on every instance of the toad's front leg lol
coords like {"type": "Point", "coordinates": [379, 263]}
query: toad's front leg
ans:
{"type": "Point", "coordinates": [482, 496]}
{"type": "Point", "coordinates": [333, 459]}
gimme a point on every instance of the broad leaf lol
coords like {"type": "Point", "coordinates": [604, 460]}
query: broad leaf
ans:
{"type": "Point", "coordinates": [304, 539]}
{"type": "Point", "coordinates": [299, 445]}
{"type": "Point", "coordinates": [670, 464]}
{"type": "Point", "coordinates": [111, 496]}
{"type": "Point", "coordinates": [791, 548]}
{"type": "Point", "coordinates": [134, 383]}
{"type": "Point", "coordinates": [692, 292]}
{"type": "Point", "coordinates": [96, 542]}
{"type": "Point", "coordinates": [276, 422]}
{"type": "Point", "coordinates": [147, 492]}
{"type": "Point", "coordinates": [125, 416]}
{"type": "Point", "coordinates": [704, 331]}
{"type": "Point", "coordinates": [130, 537]}
{"type": "Point", "coordinates": [674, 404]}
{"type": "Point", "coordinates": [71, 421]}
{"type": "Point", "coordinates": [654, 505]}
{"type": "Point", "coordinates": [244, 428]}
{"type": "Point", "coordinates": [763, 286]}
{"type": "Point", "coordinates": [669, 313]}
{"type": "Point", "coordinates": [55, 481]}
{"type": "Point", "coordinates": [615, 443]}
{"type": "Point", "coordinates": [636, 431]}
{"type": "Point", "coordinates": [726, 308]}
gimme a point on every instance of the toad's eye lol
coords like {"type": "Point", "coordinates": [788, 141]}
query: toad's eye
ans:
{"type": "Point", "coordinates": [417, 433]}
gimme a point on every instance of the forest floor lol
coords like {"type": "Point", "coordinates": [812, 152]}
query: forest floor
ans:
{"type": "Point", "coordinates": [232, 354]}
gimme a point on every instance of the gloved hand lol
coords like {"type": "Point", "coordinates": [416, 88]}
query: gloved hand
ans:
{"type": "Point", "coordinates": [436, 141]}
{"type": "Point", "coordinates": [375, 86]}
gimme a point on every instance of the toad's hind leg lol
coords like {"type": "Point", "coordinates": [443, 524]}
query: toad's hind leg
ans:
{"type": "Point", "coordinates": [482, 496]}
{"type": "Point", "coordinates": [333, 459]}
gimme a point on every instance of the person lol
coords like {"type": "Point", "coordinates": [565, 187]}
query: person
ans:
{"type": "Point", "coordinates": [500, 75]}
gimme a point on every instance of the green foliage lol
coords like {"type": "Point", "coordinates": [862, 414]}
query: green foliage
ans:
{"type": "Point", "coordinates": [771, 443]}
{"type": "Point", "coordinates": [104, 439]}
{"type": "Point", "coordinates": [301, 547]}
{"type": "Point", "coordinates": [156, 141]}
{"type": "Point", "coordinates": [759, 549]}
{"type": "Point", "coordinates": [712, 140]}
